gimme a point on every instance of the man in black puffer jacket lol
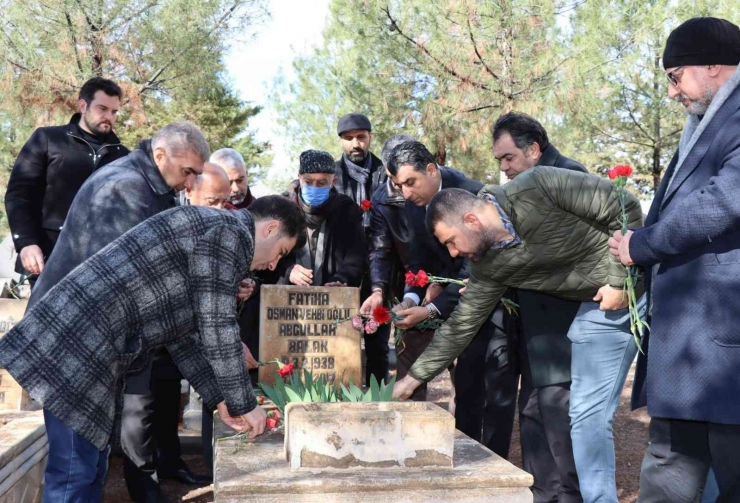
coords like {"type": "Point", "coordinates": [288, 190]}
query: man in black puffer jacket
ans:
{"type": "Point", "coordinates": [53, 165]}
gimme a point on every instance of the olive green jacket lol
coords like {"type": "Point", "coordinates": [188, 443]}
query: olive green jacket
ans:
{"type": "Point", "coordinates": [564, 219]}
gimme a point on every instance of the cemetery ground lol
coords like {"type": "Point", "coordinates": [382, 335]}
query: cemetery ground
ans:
{"type": "Point", "coordinates": [630, 437]}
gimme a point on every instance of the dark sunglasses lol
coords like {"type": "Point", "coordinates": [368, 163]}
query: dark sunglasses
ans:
{"type": "Point", "coordinates": [674, 77]}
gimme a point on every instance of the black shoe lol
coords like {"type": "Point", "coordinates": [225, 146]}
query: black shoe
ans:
{"type": "Point", "coordinates": [185, 476]}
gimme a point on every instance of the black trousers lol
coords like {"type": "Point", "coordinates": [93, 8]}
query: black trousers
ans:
{"type": "Point", "coordinates": [485, 388]}
{"type": "Point", "coordinates": [149, 435]}
{"type": "Point", "coordinates": [376, 345]}
{"type": "Point", "coordinates": [679, 456]}
{"type": "Point", "coordinates": [544, 433]}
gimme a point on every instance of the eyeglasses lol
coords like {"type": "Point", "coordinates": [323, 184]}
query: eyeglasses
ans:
{"type": "Point", "coordinates": [674, 77]}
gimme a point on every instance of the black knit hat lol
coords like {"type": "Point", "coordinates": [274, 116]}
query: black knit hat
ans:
{"type": "Point", "coordinates": [703, 41]}
{"type": "Point", "coordinates": [316, 161]}
{"type": "Point", "coordinates": [351, 122]}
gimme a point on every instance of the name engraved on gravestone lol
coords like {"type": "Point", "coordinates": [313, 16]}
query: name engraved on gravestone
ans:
{"type": "Point", "coordinates": [299, 325]}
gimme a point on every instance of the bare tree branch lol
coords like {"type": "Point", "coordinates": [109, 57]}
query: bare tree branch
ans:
{"type": "Point", "coordinates": [478, 54]}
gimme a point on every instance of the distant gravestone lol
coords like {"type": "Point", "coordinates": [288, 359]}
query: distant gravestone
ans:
{"type": "Point", "coordinates": [12, 396]}
{"type": "Point", "coordinates": [299, 325]}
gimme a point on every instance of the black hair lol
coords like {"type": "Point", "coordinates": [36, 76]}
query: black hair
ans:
{"type": "Point", "coordinates": [390, 143]}
{"type": "Point", "coordinates": [448, 202]}
{"type": "Point", "coordinates": [285, 211]}
{"type": "Point", "coordinates": [95, 84]}
{"type": "Point", "coordinates": [524, 130]}
{"type": "Point", "coordinates": [410, 152]}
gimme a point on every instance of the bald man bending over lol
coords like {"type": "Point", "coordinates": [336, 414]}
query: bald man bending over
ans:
{"type": "Point", "coordinates": [212, 188]}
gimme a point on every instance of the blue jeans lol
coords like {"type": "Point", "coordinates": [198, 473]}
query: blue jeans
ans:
{"type": "Point", "coordinates": [76, 469]}
{"type": "Point", "coordinates": [603, 350]}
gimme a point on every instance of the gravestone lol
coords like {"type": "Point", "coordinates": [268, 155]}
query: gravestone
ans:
{"type": "Point", "coordinates": [299, 325]}
{"type": "Point", "coordinates": [12, 396]}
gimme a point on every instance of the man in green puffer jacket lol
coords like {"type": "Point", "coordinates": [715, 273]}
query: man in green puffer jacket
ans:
{"type": "Point", "coordinates": [547, 230]}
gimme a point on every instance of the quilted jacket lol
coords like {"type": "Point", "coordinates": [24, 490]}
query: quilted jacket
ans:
{"type": "Point", "coordinates": [564, 219]}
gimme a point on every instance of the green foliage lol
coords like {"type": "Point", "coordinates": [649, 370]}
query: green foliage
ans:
{"type": "Point", "coordinates": [377, 393]}
{"type": "Point", "coordinates": [444, 71]}
{"type": "Point", "coordinates": [305, 388]}
{"type": "Point", "coordinates": [167, 55]}
{"type": "Point", "coordinates": [297, 390]}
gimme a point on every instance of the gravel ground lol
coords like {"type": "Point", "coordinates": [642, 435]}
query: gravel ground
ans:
{"type": "Point", "coordinates": [630, 437]}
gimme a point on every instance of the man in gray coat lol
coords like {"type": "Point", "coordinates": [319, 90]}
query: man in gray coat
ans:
{"type": "Point", "coordinates": [170, 282]}
{"type": "Point", "coordinates": [115, 199]}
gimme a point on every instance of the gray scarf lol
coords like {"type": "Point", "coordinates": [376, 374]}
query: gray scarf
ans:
{"type": "Point", "coordinates": [360, 175]}
{"type": "Point", "coordinates": [692, 131]}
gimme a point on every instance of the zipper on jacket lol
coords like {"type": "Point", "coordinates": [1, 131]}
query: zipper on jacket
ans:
{"type": "Point", "coordinates": [96, 157]}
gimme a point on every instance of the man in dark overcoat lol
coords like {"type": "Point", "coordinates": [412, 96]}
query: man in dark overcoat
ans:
{"type": "Point", "coordinates": [171, 282]}
{"type": "Point", "coordinates": [690, 249]}
{"type": "Point", "coordinates": [542, 348]}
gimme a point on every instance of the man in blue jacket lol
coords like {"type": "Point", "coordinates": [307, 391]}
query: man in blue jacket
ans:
{"type": "Point", "coordinates": [690, 249]}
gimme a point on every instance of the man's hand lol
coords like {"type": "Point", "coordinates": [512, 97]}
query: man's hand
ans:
{"type": "Point", "coordinates": [405, 304]}
{"type": "Point", "coordinates": [32, 259]}
{"type": "Point", "coordinates": [234, 422]}
{"type": "Point", "coordinates": [412, 317]}
{"type": "Point", "coordinates": [246, 289]}
{"type": "Point", "coordinates": [433, 292]}
{"type": "Point", "coordinates": [336, 283]}
{"type": "Point", "coordinates": [251, 362]}
{"type": "Point", "coordinates": [375, 300]}
{"type": "Point", "coordinates": [256, 421]}
{"type": "Point", "coordinates": [611, 299]}
{"type": "Point", "coordinates": [301, 276]}
{"type": "Point", "coordinates": [463, 289]}
{"type": "Point", "coordinates": [619, 246]}
{"type": "Point", "coordinates": [405, 387]}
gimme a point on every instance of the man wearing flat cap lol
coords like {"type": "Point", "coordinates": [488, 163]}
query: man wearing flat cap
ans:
{"type": "Point", "coordinates": [690, 251]}
{"type": "Point", "coordinates": [359, 174]}
{"type": "Point", "coordinates": [335, 253]}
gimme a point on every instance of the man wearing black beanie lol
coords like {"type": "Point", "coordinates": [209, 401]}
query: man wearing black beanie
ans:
{"type": "Point", "coordinates": [690, 252]}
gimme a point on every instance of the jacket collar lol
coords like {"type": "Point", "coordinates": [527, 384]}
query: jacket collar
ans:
{"type": "Point", "coordinates": [74, 129]}
{"type": "Point", "coordinates": [143, 160]}
{"type": "Point", "coordinates": [549, 156]}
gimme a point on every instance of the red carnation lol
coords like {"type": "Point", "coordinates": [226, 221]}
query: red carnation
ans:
{"type": "Point", "coordinates": [260, 400]}
{"type": "Point", "coordinates": [422, 279]}
{"type": "Point", "coordinates": [365, 205]}
{"type": "Point", "coordinates": [612, 174]}
{"type": "Point", "coordinates": [271, 422]}
{"type": "Point", "coordinates": [285, 370]}
{"type": "Point", "coordinates": [623, 170]}
{"type": "Point", "coordinates": [382, 315]}
{"type": "Point", "coordinates": [410, 279]}
{"type": "Point", "coordinates": [277, 415]}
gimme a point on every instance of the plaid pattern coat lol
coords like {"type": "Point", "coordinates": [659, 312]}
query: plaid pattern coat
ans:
{"type": "Point", "coordinates": [170, 281]}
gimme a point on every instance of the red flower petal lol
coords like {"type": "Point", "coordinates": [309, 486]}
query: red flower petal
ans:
{"type": "Point", "coordinates": [271, 422]}
{"type": "Point", "coordinates": [422, 279]}
{"type": "Point", "coordinates": [612, 174]}
{"type": "Point", "coordinates": [382, 315]}
{"type": "Point", "coordinates": [365, 205]}
{"type": "Point", "coordinates": [410, 279]}
{"type": "Point", "coordinates": [286, 370]}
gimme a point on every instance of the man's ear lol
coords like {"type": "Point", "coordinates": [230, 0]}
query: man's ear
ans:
{"type": "Point", "coordinates": [271, 229]}
{"type": "Point", "coordinates": [432, 169]}
{"type": "Point", "coordinates": [534, 151]}
{"type": "Point", "coordinates": [159, 155]}
{"type": "Point", "coordinates": [334, 181]}
{"type": "Point", "coordinates": [471, 220]}
{"type": "Point", "coordinates": [81, 106]}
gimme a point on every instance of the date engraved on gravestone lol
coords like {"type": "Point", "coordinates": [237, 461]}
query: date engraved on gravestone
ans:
{"type": "Point", "coordinates": [299, 325]}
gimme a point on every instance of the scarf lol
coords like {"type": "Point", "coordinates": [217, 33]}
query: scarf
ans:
{"type": "Point", "coordinates": [312, 254]}
{"type": "Point", "coordinates": [360, 175]}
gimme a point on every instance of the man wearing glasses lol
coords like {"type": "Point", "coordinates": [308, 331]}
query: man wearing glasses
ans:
{"type": "Point", "coordinates": [690, 250]}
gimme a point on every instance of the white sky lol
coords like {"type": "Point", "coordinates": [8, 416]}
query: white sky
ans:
{"type": "Point", "coordinates": [294, 28]}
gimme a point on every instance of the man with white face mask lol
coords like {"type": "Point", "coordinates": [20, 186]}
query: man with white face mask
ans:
{"type": "Point", "coordinates": [336, 250]}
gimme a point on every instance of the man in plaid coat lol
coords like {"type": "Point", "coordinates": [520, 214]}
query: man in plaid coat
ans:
{"type": "Point", "coordinates": [169, 282]}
